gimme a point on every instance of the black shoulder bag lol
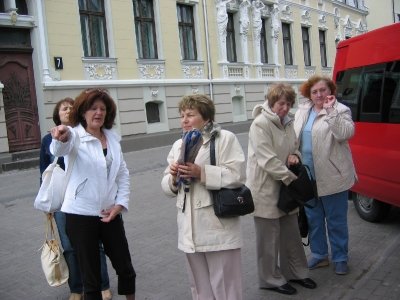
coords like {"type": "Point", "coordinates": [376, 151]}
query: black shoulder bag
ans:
{"type": "Point", "coordinates": [299, 191]}
{"type": "Point", "coordinates": [230, 202]}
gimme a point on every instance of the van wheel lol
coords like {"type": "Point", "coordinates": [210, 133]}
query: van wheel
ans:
{"type": "Point", "coordinates": [370, 209]}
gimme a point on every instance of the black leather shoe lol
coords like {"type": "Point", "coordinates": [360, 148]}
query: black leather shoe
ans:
{"type": "Point", "coordinates": [286, 289]}
{"type": "Point", "coordinates": [306, 282]}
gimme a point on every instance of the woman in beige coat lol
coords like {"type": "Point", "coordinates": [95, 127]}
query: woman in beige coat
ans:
{"type": "Point", "coordinates": [324, 127]}
{"type": "Point", "coordinates": [272, 148]}
{"type": "Point", "coordinates": [211, 244]}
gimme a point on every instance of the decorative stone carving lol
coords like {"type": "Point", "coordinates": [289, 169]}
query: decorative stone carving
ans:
{"type": "Point", "coordinates": [276, 28]}
{"type": "Point", "coordinates": [195, 90]}
{"type": "Point", "coordinates": [222, 22]}
{"type": "Point", "coordinates": [100, 71]}
{"type": "Point", "coordinates": [13, 17]}
{"type": "Point", "coordinates": [322, 19]}
{"type": "Point", "coordinates": [308, 72]}
{"type": "Point", "coordinates": [322, 22]}
{"type": "Point", "coordinates": [151, 71]}
{"type": "Point", "coordinates": [327, 72]}
{"type": "Point", "coordinates": [305, 17]}
{"type": "Point", "coordinates": [338, 25]}
{"type": "Point", "coordinates": [244, 27]}
{"type": "Point", "coordinates": [275, 23]}
{"type": "Point", "coordinates": [154, 93]}
{"type": "Point", "coordinates": [348, 27]}
{"type": "Point", "coordinates": [286, 13]}
{"type": "Point", "coordinates": [256, 9]}
{"type": "Point", "coordinates": [193, 71]}
{"type": "Point", "coordinates": [291, 72]}
{"type": "Point", "coordinates": [237, 90]}
{"type": "Point", "coordinates": [244, 17]}
{"type": "Point", "coordinates": [361, 28]}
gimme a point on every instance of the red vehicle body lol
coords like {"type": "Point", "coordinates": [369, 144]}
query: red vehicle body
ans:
{"type": "Point", "coordinates": [367, 74]}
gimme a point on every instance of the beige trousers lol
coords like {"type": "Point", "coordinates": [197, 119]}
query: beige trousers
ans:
{"type": "Point", "coordinates": [215, 275]}
{"type": "Point", "coordinates": [280, 252]}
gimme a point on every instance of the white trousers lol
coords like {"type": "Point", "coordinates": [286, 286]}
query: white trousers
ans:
{"type": "Point", "coordinates": [280, 252]}
{"type": "Point", "coordinates": [215, 275]}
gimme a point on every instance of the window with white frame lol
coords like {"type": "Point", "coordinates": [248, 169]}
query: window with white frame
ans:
{"type": "Point", "coordinates": [146, 41]}
{"type": "Point", "coordinates": [230, 39]}
{"type": "Point", "coordinates": [322, 48]}
{"type": "Point", "coordinates": [186, 31]}
{"type": "Point", "coordinates": [287, 44]}
{"type": "Point", "coordinates": [263, 43]}
{"type": "Point", "coordinates": [93, 28]}
{"type": "Point", "coordinates": [306, 45]}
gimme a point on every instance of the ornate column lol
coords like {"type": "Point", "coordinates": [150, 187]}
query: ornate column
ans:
{"type": "Point", "coordinates": [275, 29]}
{"type": "Point", "coordinates": [222, 22]}
{"type": "Point", "coordinates": [257, 7]}
{"type": "Point", "coordinates": [244, 28]}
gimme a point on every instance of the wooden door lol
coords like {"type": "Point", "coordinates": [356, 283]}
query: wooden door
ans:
{"type": "Point", "coordinates": [19, 97]}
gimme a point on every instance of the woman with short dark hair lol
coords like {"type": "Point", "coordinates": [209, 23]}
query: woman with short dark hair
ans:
{"type": "Point", "coordinates": [211, 244]}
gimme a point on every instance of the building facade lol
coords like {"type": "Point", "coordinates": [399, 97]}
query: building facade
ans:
{"type": "Point", "coordinates": [149, 53]}
{"type": "Point", "coordinates": [382, 13]}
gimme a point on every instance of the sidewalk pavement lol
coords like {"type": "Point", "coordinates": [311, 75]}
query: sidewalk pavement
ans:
{"type": "Point", "coordinates": [152, 235]}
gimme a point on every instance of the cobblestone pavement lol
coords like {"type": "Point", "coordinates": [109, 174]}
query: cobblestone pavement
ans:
{"type": "Point", "coordinates": [151, 231]}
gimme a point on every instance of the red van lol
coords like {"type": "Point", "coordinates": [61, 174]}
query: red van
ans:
{"type": "Point", "coordinates": [367, 74]}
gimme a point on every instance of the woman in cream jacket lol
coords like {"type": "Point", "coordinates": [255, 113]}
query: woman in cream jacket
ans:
{"type": "Point", "coordinates": [272, 147]}
{"type": "Point", "coordinates": [324, 127]}
{"type": "Point", "coordinates": [211, 244]}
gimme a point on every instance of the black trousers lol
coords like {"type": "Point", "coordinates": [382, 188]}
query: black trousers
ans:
{"type": "Point", "coordinates": [84, 233]}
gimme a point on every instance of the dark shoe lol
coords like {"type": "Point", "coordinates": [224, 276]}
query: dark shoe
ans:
{"type": "Point", "coordinates": [286, 289]}
{"type": "Point", "coordinates": [306, 282]}
{"type": "Point", "coordinates": [341, 268]}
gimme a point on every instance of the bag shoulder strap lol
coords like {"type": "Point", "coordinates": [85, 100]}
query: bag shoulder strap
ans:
{"type": "Point", "coordinates": [212, 150]}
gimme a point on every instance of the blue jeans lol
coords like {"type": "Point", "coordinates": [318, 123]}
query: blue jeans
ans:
{"type": "Point", "coordinates": [331, 209]}
{"type": "Point", "coordinates": [75, 279]}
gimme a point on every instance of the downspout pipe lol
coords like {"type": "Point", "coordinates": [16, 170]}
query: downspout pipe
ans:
{"type": "Point", "coordinates": [210, 75]}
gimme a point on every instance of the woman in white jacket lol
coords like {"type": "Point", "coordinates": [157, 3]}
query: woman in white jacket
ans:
{"type": "Point", "coordinates": [272, 148]}
{"type": "Point", "coordinates": [211, 244]}
{"type": "Point", "coordinates": [97, 192]}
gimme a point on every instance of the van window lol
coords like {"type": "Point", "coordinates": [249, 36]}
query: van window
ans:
{"type": "Point", "coordinates": [372, 93]}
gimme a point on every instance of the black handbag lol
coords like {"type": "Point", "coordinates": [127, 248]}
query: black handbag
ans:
{"type": "Point", "coordinates": [230, 202]}
{"type": "Point", "coordinates": [299, 191]}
